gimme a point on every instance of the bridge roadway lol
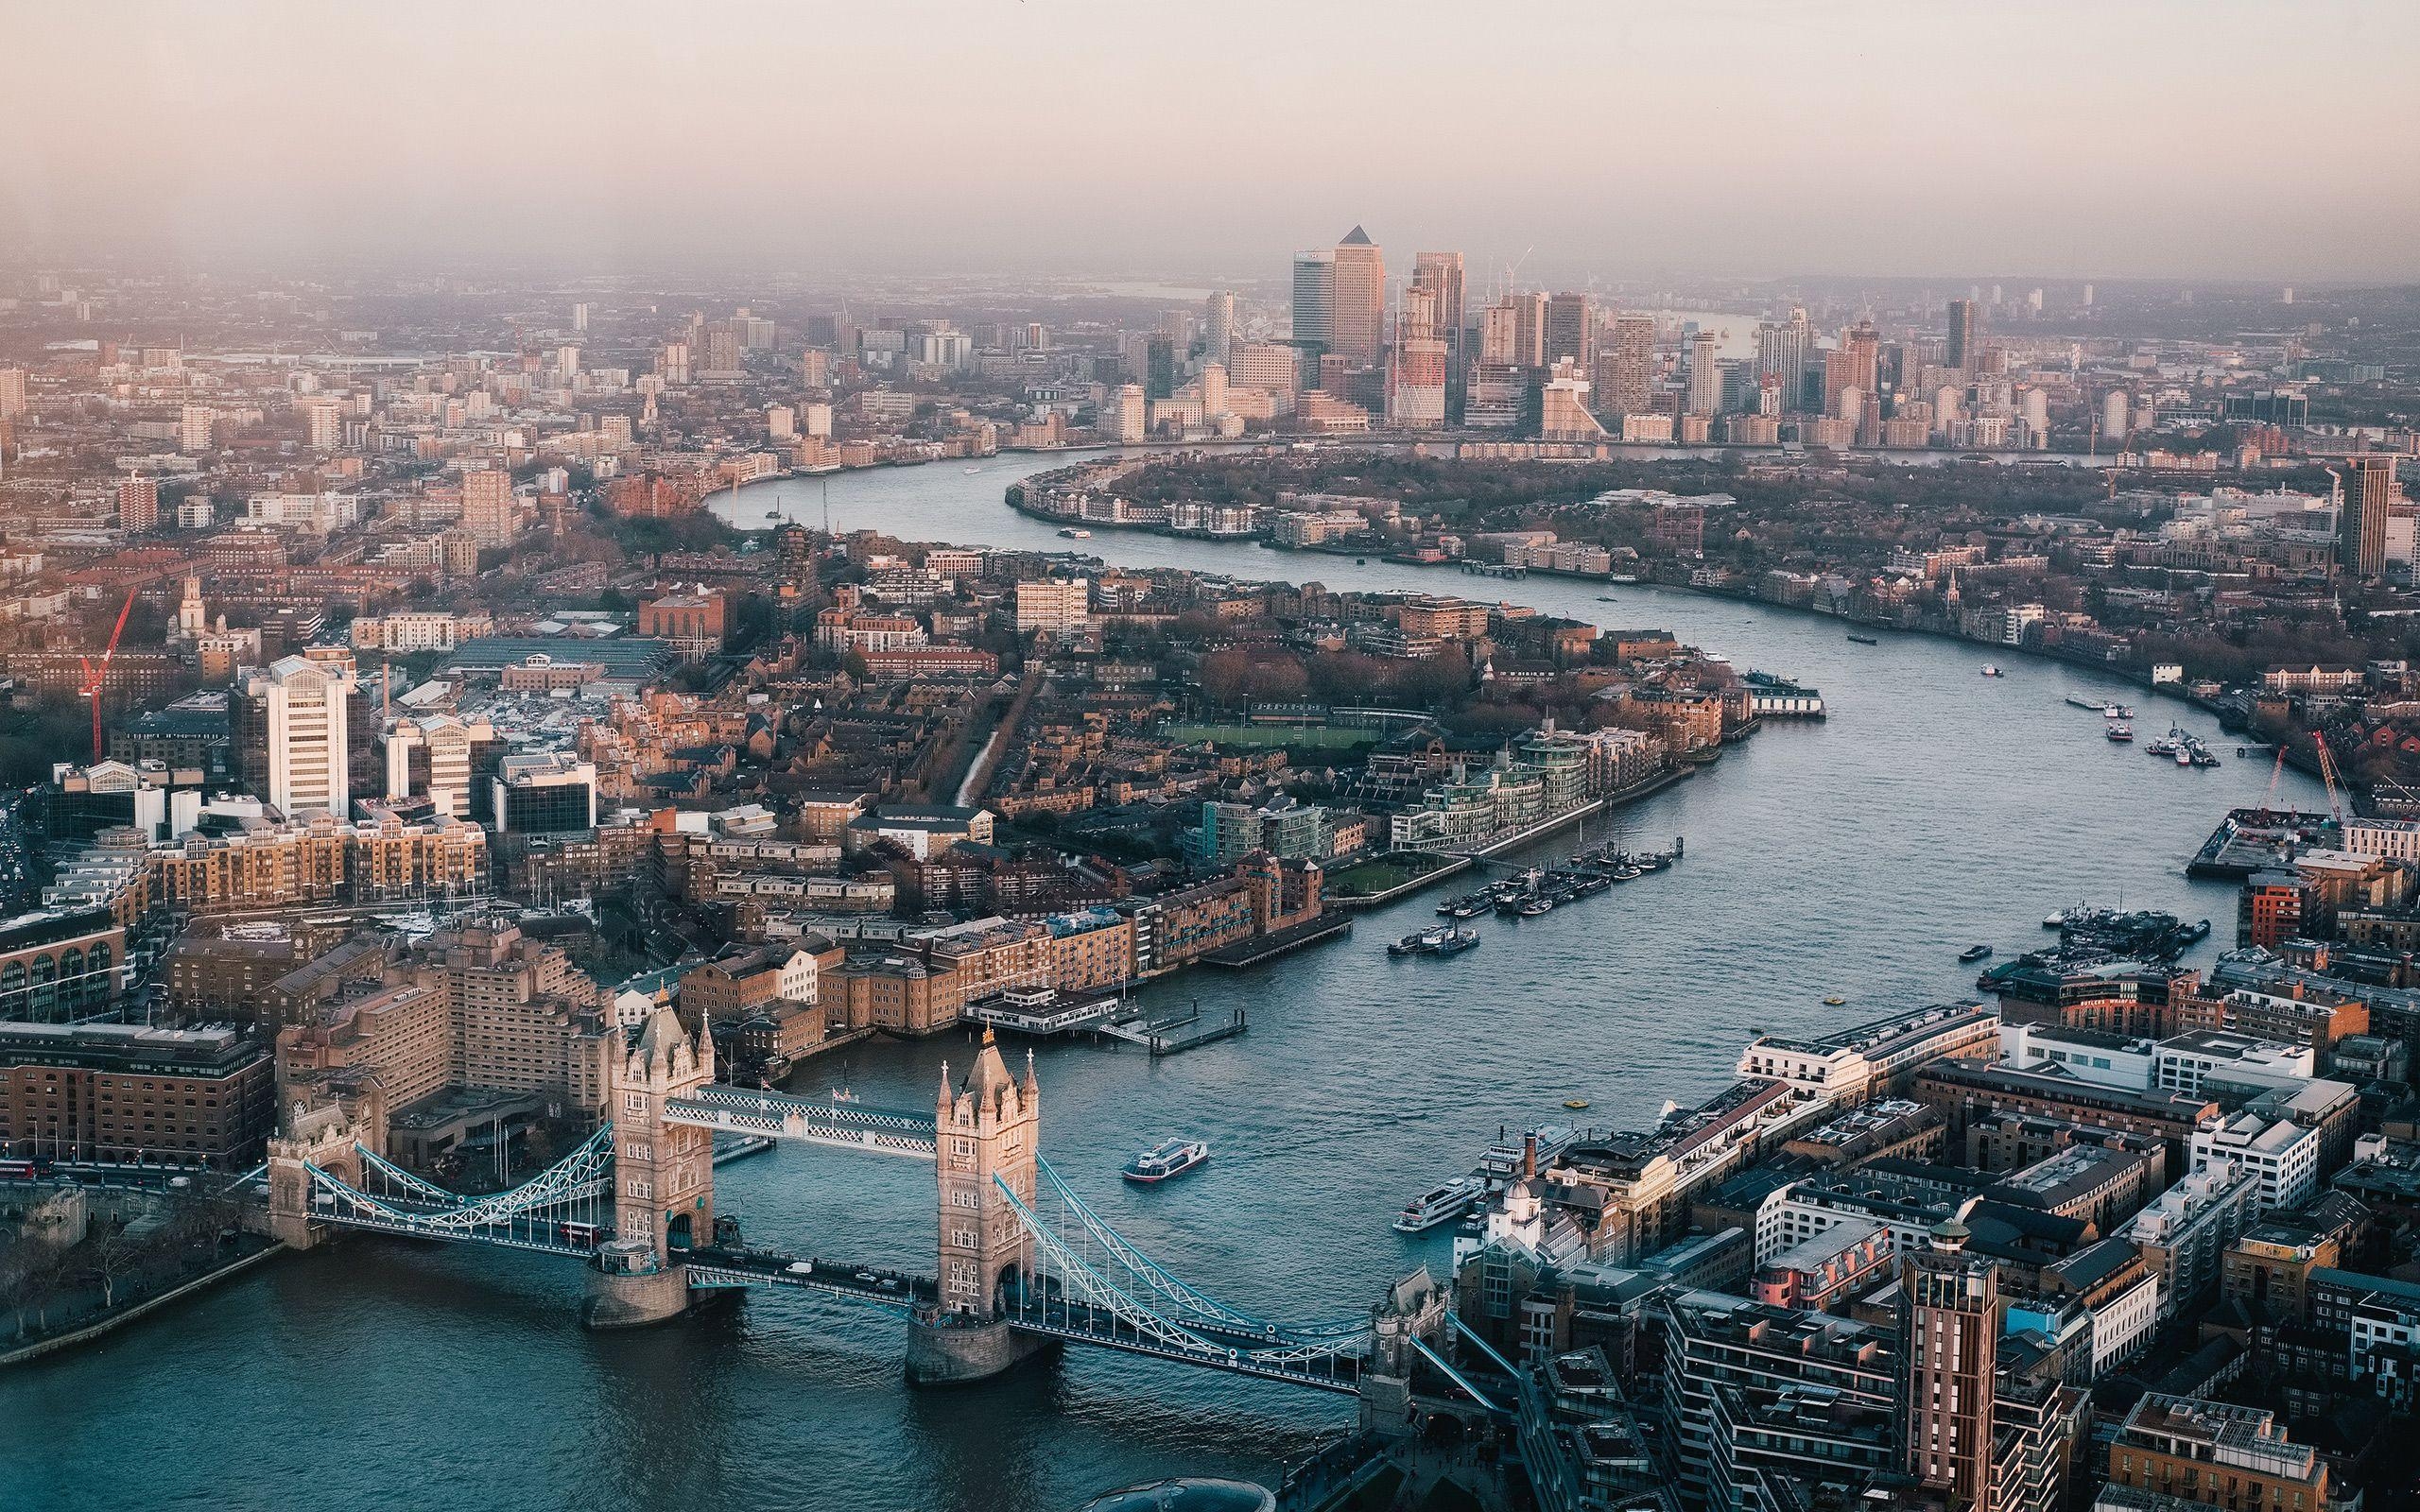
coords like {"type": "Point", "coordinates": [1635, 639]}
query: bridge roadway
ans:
{"type": "Point", "coordinates": [1267, 1357]}
{"type": "Point", "coordinates": [1332, 1367]}
{"type": "Point", "coordinates": [813, 1120]}
{"type": "Point", "coordinates": [542, 1236]}
{"type": "Point", "coordinates": [721, 1267]}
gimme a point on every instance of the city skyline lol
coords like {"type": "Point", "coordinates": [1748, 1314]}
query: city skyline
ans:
{"type": "Point", "coordinates": [265, 140]}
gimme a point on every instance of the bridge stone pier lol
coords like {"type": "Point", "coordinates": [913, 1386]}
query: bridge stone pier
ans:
{"type": "Point", "coordinates": [664, 1179]}
{"type": "Point", "coordinates": [987, 1127]}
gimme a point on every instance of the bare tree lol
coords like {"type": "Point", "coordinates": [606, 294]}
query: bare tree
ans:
{"type": "Point", "coordinates": [112, 1257]}
{"type": "Point", "coordinates": [32, 1275]}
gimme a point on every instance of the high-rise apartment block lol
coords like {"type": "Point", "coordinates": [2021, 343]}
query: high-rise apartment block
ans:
{"type": "Point", "coordinates": [487, 506]}
{"type": "Point", "coordinates": [1626, 368]}
{"type": "Point", "coordinates": [1964, 351]}
{"type": "Point", "coordinates": [1706, 376]}
{"type": "Point", "coordinates": [1571, 331]}
{"type": "Point", "coordinates": [1218, 326]}
{"type": "Point", "coordinates": [2361, 524]}
{"type": "Point", "coordinates": [1784, 349]}
{"type": "Point", "coordinates": [1123, 413]}
{"type": "Point", "coordinates": [138, 503]}
{"type": "Point", "coordinates": [1949, 1327]}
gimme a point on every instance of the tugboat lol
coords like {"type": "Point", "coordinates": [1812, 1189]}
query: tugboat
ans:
{"type": "Point", "coordinates": [1439, 1205]}
{"type": "Point", "coordinates": [1455, 941]}
{"type": "Point", "coordinates": [1974, 952]}
{"type": "Point", "coordinates": [1170, 1158]}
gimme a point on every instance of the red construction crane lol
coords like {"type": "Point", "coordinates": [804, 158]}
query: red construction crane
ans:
{"type": "Point", "coordinates": [94, 676]}
{"type": "Point", "coordinates": [2327, 774]}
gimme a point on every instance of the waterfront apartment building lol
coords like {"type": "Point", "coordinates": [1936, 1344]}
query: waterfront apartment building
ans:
{"type": "Point", "coordinates": [1964, 1090]}
{"type": "Point", "coordinates": [123, 1092]}
{"type": "Point", "coordinates": [891, 989]}
{"type": "Point", "coordinates": [1091, 950]}
{"type": "Point", "coordinates": [743, 982]}
{"type": "Point", "coordinates": [1177, 928]}
{"type": "Point", "coordinates": [1873, 1059]}
{"type": "Point", "coordinates": [398, 1035]}
{"type": "Point", "coordinates": [263, 865]}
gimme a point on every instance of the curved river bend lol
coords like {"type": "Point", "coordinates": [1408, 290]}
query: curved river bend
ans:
{"type": "Point", "coordinates": [1853, 858]}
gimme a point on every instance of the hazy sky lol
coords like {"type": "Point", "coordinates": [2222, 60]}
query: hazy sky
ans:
{"type": "Point", "coordinates": [2098, 138]}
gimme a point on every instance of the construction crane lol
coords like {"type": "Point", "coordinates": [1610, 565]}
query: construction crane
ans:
{"type": "Point", "coordinates": [2327, 774]}
{"type": "Point", "coordinates": [93, 676]}
{"type": "Point", "coordinates": [2276, 772]}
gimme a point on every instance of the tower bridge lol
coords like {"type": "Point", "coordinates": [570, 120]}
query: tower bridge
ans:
{"type": "Point", "coordinates": [1021, 1262]}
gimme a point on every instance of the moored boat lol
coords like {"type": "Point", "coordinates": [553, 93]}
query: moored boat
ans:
{"type": "Point", "coordinates": [1439, 1204]}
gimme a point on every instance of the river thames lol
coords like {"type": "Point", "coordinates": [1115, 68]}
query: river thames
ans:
{"type": "Point", "coordinates": [1936, 808]}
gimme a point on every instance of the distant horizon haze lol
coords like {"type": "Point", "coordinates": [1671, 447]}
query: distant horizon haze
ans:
{"type": "Point", "coordinates": [1734, 139]}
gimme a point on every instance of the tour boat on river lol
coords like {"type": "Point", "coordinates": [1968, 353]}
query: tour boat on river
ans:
{"type": "Point", "coordinates": [1171, 1157]}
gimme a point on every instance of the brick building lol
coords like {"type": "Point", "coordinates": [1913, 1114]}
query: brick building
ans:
{"type": "Point", "coordinates": [127, 1091]}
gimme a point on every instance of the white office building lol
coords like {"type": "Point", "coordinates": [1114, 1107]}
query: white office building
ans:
{"type": "Point", "coordinates": [2283, 1157]}
{"type": "Point", "coordinates": [303, 715]}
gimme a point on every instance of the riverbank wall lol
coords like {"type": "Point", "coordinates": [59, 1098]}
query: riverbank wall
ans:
{"type": "Point", "coordinates": [122, 1317]}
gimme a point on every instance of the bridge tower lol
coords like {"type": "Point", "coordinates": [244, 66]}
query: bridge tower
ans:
{"type": "Point", "coordinates": [664, 1179]}
{"type": "Point", "coordinates": [324, 1134]}
{"type": "Point", "coordinates": [988, 1125]}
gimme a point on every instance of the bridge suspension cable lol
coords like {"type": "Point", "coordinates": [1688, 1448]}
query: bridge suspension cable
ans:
{"type": "Point", "coordinates": [1188, 1300]}
{"type": "Point", "coordinates": [1064, 1294]}
{"type": "Point", "coordinates": [566, 1208]}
